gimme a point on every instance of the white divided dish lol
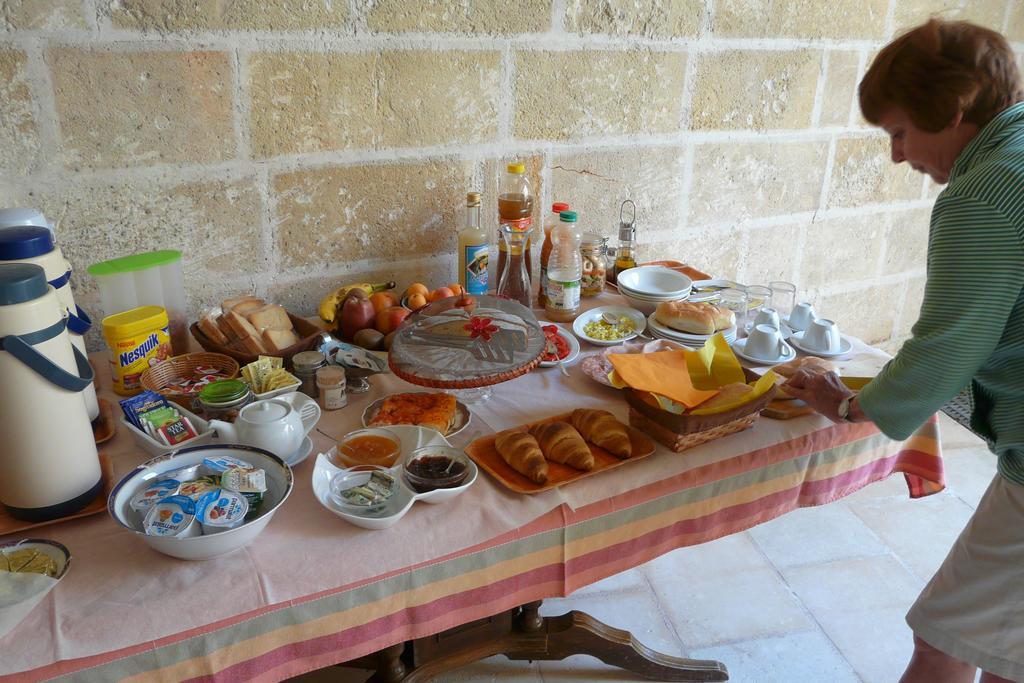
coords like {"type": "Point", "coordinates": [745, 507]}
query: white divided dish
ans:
{"type": "Point", "coordinates": [204, 434]}
{"type": "Point", "coordinates": [845, 346]}
{"type": "Point", "coordinates": [281, 391]}
{"type": "Point", "coordinates": [574, 350]}
{"type": "Point", "coordinates": [279, 486]}
{"type": "Point", "coordinates": [411, 438]}
{"type": "Point", "coordinates": [595, 314]}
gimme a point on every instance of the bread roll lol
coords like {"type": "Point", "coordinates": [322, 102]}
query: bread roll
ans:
{"type": "Point", "coordinates": [805, 363]}
{"type": "Point", "coordinates": [694, 317]}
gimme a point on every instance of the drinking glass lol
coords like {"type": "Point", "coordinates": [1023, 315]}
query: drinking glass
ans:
{"type": "Point", "coordinates": [757, 296]}
{"type": "Point", "coordinates": [783, 297]}
{"type": "Point", "coordinates": [735, 300]}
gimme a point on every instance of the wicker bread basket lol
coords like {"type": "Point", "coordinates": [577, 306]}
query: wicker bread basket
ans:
{"type": "Point", "coordinates": [680, 432]}
{"type": "Point", "coordinates": [182, 367]}
{"type": "Point", "coordinates": [308, 333]}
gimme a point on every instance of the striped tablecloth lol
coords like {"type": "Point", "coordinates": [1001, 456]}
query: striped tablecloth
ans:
{"type": "Point", "coordinates": [312, 591]}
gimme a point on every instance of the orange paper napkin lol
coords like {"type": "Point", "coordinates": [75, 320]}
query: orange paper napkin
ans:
{"type": "Point", "coordinates": [663, 372]}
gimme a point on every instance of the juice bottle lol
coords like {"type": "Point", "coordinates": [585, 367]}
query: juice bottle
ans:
{"type": "Point", "coordinates": [473, 249]}
{"type": "Point", "coordinates": [565, 270]}
{"type": "Point", "coordinates": [515, 207]}
{"type": "Point", "coordinates": [545, 251]}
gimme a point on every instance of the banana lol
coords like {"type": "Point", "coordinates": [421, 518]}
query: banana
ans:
{"type": "Point", "coordinates": [329, 304]}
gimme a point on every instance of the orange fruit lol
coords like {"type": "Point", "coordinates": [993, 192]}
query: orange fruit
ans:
{"type": "Point", "coordinates": [456, 289]}
{"type": "Point", "coordinates": [416, 288]}
{"type": "Point", "coordinates": [440, 293]}
{"type": "Point", "coordinates": [382, 300]}
{"type": "Point", "coordinates": [416, 301]}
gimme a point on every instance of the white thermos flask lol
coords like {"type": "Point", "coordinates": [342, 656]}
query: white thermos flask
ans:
{"type": "Point", "coordinates": [49, 467]}
{"type": "Point", "coordinates": [25, 243]}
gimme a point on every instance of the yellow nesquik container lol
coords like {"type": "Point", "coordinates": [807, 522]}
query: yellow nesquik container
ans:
{"type": "Point", "coordinates": [137, 339]}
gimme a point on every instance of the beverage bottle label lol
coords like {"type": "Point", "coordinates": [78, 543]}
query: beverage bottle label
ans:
{"type": "Point", "coordinates": [564, 295]}
{"type": "Point", "coordinates": [476, 269]}
{"type": "Point", "coordinates": [543, 282]}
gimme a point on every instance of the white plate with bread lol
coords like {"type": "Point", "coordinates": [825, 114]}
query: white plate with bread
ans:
{"type": "Point", "coordinates": [692, 321]}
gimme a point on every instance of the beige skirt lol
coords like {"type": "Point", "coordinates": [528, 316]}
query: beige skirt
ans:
{"type": "Point", "coordinates": [973, 608]}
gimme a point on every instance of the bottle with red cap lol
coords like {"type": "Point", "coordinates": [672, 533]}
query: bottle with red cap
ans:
{"type": "Point", "coordinates": [545, 251]}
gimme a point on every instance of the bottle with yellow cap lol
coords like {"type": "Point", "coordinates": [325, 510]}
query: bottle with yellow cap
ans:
{"type": "Point", "coordinates": [137, 339]}
{"type": "Point", "coordinates": [515, 209]}
{"type": "Point", "coordinates": [473, 249]}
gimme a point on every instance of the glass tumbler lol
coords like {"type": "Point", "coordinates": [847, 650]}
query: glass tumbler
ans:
{"type": "Point", "coordinates": [783, 297]}
{"type": "Point", "coordinates": [757, 297]}
{"type": "Point", "coordinates": [735, 300]}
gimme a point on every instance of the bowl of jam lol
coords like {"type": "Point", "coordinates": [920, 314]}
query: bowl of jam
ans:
{"type": "Point", "coordinates": [437, 467]}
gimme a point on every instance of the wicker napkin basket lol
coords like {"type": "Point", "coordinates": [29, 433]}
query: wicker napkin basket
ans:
{"type": "Point", "coordinates": [679, 432]}
{"type": "Point", "coordinates": [179, 367]}
{"type": "Point", "coordinates": [308, 333]}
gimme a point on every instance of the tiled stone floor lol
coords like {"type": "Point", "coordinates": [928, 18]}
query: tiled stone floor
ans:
{"type": "Point", "coordinates": [816, 595]}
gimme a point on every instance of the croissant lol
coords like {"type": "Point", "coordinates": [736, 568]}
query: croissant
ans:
{"type": "Point", "coordinates": [600, 428]}
{"type": "Point", "coordinates": [560, 442]}
{"type": "Point", "coordinates": [522, 452]}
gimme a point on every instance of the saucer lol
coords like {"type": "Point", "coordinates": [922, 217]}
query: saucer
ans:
{"type": "Point", "coordinates": [301, 454]}
{"type": "Point", "coordinates": [844, 346]}
{"type": "Point", "coordinates": [788, 354]}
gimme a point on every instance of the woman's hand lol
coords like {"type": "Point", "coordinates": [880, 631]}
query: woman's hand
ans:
{"type": "Point", "coordinates": [823, 391]}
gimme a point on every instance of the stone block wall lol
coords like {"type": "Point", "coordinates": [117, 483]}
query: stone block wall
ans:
{"type": "Point", "coordinates": [288, 146]}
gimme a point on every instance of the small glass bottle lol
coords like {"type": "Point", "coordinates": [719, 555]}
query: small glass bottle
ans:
{"type": "Point", "coordinates": [473, 249]}
{"type": "Point", "coordinates": [330, 380]}
{"type": "Point", "coordinates": [594, 250]}
{"type": "Point", "coordinates": [305, 365]}
{"type": "Point", "coordinates": [625, 253]}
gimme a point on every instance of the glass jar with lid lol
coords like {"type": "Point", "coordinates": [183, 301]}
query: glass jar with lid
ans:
{"type": "Point", "coordinates": [594, 250]}
{"type": "Point", "coordinates": [305, 365]}
{"type": "Point", "coordinates": [223, 399]}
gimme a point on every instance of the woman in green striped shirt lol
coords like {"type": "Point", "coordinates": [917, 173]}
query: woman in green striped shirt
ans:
{"type": "Point", "coordinates": [949, 95]}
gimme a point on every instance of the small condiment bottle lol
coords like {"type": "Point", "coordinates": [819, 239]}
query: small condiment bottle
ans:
{"type": "Point", "coordinates": [625, 253]}
{"type": "Point", "coordinates": [330, 380]}
{"type": "Point", "coordinates": [305, 365]}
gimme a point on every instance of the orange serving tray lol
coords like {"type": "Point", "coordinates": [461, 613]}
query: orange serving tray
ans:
{"type": "Point", "coordinates": [486, 456]}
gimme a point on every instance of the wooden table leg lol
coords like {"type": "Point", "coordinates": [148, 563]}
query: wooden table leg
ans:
{"type": "Point", "coordinates": [523, 634]}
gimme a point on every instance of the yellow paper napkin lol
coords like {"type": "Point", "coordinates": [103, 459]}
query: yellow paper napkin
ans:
{"type": "Point", "coordinates": [664, 373]}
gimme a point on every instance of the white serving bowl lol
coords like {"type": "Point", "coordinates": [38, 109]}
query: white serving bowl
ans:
{"type": "Point", "coordinates": [654, 281]}
{"type": "Point", "coordinates": [204, 434]}
{"type": "Point", "coordinates": [279, 486]}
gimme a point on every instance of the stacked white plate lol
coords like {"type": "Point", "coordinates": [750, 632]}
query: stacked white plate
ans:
{"type": "Point", "coordinates": [645, 287]}
{"type": "Point", "coordinates": [659, 331]}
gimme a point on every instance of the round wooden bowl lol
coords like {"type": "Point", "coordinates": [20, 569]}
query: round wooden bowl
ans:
{"type": "Point", "coordinates": [181, 367]}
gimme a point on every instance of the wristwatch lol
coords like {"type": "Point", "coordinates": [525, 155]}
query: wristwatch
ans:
{"type": "Point", "coordinates": [844, 409]}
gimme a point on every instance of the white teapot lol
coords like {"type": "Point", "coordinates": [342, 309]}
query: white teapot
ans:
{"type": "Point", "coordinates": [277, 424]}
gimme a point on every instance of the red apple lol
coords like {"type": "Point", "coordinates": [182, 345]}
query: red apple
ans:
{"type": "Point", "coordinates": [389, 319]}
{"type": "Point", "coordinates": [356, 314]}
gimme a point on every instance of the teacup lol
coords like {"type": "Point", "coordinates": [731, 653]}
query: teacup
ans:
{"type": "Point", "coordinates": [801, 316]}
{"type": "Point", "coordinates": [764, 342]}
{"type": "Point", "coordinates": [822, 335]}
{"type": "Point", "coordinates": [767, 316]}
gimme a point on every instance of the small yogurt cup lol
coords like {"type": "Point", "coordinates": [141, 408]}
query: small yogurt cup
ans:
{"type": "Point", "coordinates": [221, 510]}
{"type": "Point", "coordinates": [156, 491]}
{"type": "Point", "coordinates": [172, 517]}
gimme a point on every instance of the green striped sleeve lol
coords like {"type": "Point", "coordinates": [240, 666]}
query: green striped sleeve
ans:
{"type": "Point", "coordinates": [975, 275]}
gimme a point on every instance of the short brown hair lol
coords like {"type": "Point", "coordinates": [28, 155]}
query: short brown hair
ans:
{"type": "Point", "coordinates": [938, 69]}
